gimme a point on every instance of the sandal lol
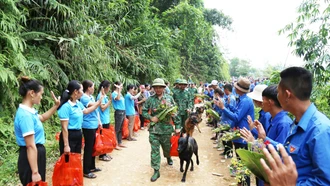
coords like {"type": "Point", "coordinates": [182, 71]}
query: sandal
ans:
{"type": "Point", "coordinates": [96, 170]}
{"type": "Point", "coordinates": [105, 158]}
{"type": "Point", "coordinates": [90, 175]}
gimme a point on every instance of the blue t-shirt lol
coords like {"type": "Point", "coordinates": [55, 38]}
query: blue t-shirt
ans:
{"type": "Point", "coordinates": [118, 104]}
{"type": "Point", "coordinates": [72, 112]}
{"type": "Point", "coordinates": [129, 105]}
{"type": "Point", "coordinates": [26, 123]}
{"type": "Point", "coordinates": [104, 115]}
{"type": "Point", "coordinates": [91, 120]}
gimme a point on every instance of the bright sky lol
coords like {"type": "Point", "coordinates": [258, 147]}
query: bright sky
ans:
{"type": "Point", "coordinates": [255, 30]}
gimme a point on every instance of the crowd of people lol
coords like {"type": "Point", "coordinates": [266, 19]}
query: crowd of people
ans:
{"type": "Point", "coordinates": [301, 142]}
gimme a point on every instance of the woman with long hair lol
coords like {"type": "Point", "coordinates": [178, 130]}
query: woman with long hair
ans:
{"type": "Point", "coordinates": [29, 132]}
{"type": "Point", "coordinates": [71, 112]}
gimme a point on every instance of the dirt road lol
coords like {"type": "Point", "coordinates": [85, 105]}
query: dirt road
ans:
{"type": "Point", "coordinates": [131, 165]}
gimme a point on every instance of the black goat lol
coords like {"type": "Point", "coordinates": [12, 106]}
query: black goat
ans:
{"type": "Point", "coordinates": [187, 147]}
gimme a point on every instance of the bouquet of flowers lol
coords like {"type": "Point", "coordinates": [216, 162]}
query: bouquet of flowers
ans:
{"type": "Point", "coordinates": [221, 128]}
{"type": "Point", "coordinates": [231, 135]}
{"type": "Point", "coordinates": [251, 158]}
{"type": "Point", "coordinates": [238, 169]}
{"type": "Point", "coordinates": [166, 109]}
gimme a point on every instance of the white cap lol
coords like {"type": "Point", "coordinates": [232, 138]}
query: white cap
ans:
{"type": "Point", "coordinates": [214, 82]}
{"type": "Point", "coordinates": [256, 94]}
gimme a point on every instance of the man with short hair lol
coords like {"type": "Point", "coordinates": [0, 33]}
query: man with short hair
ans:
{"type": "Point", "coordinates": [159, 133]}
{"type": "Point", "coordinates": [309, 134]}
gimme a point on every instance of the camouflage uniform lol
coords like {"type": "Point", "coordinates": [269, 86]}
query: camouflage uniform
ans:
{"type": "Point", "coordinates": [183, 100]}
{"type": "Point", "coordinates": [160, 133]}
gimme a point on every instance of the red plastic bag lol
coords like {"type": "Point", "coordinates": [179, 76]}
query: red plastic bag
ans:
{"type": "Point", "coordinates": [113, 135]}
{"type": "Point", "coordinates": [103, 142]}
{"type": "Point", "coordinates": [39, 183]}
{"type": "Point", "coordinates": [68, 170]}
{"type": "Point", "coordinates": [174, 145]}
{"type": "Point", "coordinates": [125, 131]}
{"type": "Point", "coordinates": [136, 123]}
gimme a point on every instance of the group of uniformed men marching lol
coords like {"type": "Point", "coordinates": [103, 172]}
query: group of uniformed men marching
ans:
{"type": "Point", "coordinates": [160, 133]}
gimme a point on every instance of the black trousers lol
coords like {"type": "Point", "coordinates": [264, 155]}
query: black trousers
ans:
{"type": "Point", "coordinates": [119, 119]}
{"type": "Point", "coordinates": [74, 137]}
{"type": "Point", "coordinates": [141, 121]}
{"type": "Point", "coordinates": [89, 160]}
{"type": "Point", "coordinates": [242, 146]}
{"type": "Point", "coordinates": [24, 169]}
{"type": "Point", "coordinates": [106, 126]}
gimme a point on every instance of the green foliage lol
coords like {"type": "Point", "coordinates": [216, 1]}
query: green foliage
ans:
{"type": "Point", "coordinates": [309, 35]}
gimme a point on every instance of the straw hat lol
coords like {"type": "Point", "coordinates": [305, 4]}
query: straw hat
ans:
{"type": "Point", "coordinates": [256, 94]}
{"type": "Point", "coordinates": [243, 85]}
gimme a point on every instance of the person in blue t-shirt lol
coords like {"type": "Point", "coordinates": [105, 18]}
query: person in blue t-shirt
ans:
{"type": "Point", "coordinates": [71, 112]}
{"type": "Point", "coordinates": [29, 132]}
{"type": "Point", "coordinates": [104, 111]}
{"type": "Point", "coordinates": [118, 103]}
{"type": "Point", "coordinates": [130, 110]}
{"type": "Point", "coordinates": [91, 122]}
{"type": "Point", "coordinates": [308, 136]}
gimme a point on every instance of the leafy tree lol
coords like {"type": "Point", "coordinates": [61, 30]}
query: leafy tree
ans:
{"type": "Point", "coordinates": [216, 17]}
{"type": "Point", "coordinates": [309, 35]}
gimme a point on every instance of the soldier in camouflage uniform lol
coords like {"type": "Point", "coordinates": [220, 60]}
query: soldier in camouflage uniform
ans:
{"type": "Point", "coordinates": [193, 90]}
{"type": "Point", "coordinates": [175, 86]}
{"type": "Point", "coordinates": [182, 97]}
{"type": "Point", "coordinates": [160, 133]}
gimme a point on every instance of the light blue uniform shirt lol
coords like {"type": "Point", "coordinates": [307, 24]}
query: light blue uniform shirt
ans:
{"type": "Point", "coordinates": [26, 123]}
{"type": "Point", "coordinates": [118, 104]}
{"type": "Point", "coordinates": [104, 115]}
{"type": "Point", "coordinates": [91, 120]}
{"type": "Point", "coordinates": [239, 114]}
{"type": "Point", "coordinates": [129, 105]}
{"type": "Point", "coordinates": [72, 112]}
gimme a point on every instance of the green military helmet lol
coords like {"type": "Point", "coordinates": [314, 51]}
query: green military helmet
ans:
{"type": "Point", "coordinates": [183, 82]}
{"type": "Point", "coordinates": [158, 82]}
{"type": "Point", "coordinates": [177, 81]}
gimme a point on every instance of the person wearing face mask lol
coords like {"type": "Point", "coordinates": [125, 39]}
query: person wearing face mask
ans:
{"type": "Point", "coordinates": [71, 113]}
{"type": "Point", "coordinates": [29, 132]}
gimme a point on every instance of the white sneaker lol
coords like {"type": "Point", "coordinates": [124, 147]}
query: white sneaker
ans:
{"type": "Point", "coordinates": [221, 148]}
{"type": "Point", "coordinates": [142, 128]}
